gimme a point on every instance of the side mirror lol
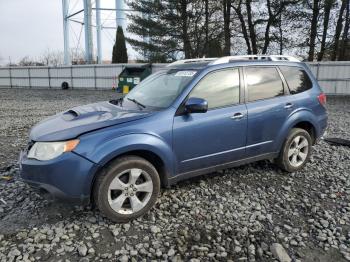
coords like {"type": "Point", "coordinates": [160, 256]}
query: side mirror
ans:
{"type": "Point", "coordinates": [196, 105]}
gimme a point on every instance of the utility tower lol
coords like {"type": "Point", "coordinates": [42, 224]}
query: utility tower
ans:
{"type": "Point", "coordinates": [120, 13]}
{"type": "Point", "coordinates": [88, 10]}
{"type": "Point", "coordinates": [88, 31]}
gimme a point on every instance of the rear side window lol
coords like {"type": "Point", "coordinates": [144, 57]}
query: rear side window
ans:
{"type": "Point", "coordinates": [220, 88]}
{"type": "Point", "coordinates": [297, 79]}
{"type": "Point", "coordinates": [263, 83]}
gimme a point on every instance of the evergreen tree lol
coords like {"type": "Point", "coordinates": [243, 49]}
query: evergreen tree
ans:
{"type": "Point", "coordinates": [171, 29]}
{"type": "Point", "coordinates": [119, 54]}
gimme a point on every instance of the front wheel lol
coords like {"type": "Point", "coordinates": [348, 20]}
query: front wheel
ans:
{"type": "Point", "coordinates": [127, 189]}
{"type": "Point", "coordinates": [296, 150]}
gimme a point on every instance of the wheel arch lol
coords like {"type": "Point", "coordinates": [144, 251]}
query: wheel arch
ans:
{"type": "Point", "coordinates": [301, 119]}
{"type": "Point", "coordinates": [148, 147]}
{"type": "Point", "coordinates": [309, 127]}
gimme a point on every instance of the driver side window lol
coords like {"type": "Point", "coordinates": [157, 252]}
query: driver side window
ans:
{"type": "Point", "coordinates": [219, 88]}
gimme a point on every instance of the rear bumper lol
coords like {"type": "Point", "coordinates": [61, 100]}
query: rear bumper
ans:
{"type": "Point", "coordinates": [322, 126]}
{"type": "Point", "coordinates": [68, 177]}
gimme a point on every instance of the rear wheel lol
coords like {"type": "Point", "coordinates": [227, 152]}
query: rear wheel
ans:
{"type": "Point", "coordinates": [127, 189]}
{"type": "Point", "coordinates": [296, 150]}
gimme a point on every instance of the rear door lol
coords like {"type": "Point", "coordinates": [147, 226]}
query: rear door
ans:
{"type": "Point", "coordinates": [268, 108]}
{"type": "Point", "coordinates": [203, 140]}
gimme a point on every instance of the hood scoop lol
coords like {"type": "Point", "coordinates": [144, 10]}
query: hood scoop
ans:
{"type": "Point", "coordinates": [74, 114]}
{"type": "Point", "coordinates": [70, 115]}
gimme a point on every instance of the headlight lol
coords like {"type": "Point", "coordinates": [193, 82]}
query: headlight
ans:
{"type": "Point", "coordinates": [50, 150]}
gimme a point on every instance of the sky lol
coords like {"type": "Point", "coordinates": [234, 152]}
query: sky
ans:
{"type": "Point", "coordinates": [31, 27]}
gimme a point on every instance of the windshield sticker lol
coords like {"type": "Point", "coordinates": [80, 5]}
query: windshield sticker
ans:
{"type": "Point", "coordinates": [186, 73]}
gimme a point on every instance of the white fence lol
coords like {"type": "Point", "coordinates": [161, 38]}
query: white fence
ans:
{"type": "Point", "coordinates": [78, 76]}
{"type": "Point", "coordinates": [334, 77]}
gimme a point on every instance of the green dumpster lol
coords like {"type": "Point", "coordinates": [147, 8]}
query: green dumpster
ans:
{"type": "Point", "coordinates": [131, 76]}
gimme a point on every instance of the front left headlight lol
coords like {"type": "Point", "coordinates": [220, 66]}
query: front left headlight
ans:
{"type": "Point", "coordinates": [50, 150]}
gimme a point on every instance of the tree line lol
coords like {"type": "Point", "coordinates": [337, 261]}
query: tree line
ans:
{"type": "Point", "coordinates": [165, 30]}
{"type": "Point", "coordinates": [51, 58]}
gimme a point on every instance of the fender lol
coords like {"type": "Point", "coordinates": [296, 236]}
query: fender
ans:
{"type": "Point", "coordinates": [110, 149]}
{"type": "Point", "coordinates": [126, 143]}
{"type": "Point", "coordinates": [299, 115]}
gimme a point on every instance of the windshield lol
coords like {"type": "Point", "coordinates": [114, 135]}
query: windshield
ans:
{"type": "Point", "coordinates": [159, 90]}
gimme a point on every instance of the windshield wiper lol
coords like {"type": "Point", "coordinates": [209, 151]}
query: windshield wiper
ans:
{"type": "Point", "coordinates": [136, 102]}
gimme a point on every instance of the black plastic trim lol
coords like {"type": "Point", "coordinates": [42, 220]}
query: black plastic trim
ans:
{"type": "Point", "coordinates": [198, 172]}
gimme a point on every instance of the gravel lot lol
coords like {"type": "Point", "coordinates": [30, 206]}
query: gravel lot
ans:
{"type": "Point", "coordinates": [252, 213]}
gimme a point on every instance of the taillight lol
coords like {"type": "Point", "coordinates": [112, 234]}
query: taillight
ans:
{"type": "Point", "coordinates": [322, 99]}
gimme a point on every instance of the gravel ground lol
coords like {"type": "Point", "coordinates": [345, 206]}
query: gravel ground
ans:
{"type": "Point", "coordinates": [251, 213]}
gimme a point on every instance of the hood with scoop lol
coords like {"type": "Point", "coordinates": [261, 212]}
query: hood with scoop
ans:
{"type": "Point", "coordinates": [82, 119]}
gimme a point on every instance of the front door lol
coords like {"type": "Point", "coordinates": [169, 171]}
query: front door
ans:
{"type": "Point", "coordinates": [202, 140]}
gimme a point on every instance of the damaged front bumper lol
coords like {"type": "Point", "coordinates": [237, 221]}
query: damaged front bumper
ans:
{"type": "Point", "coordinates": [67, 177]}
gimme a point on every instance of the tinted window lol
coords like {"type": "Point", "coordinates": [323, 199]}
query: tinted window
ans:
{"type": "Point", "coordinates": [263, 82]}
{"type": "Point", "coordinates": [220, 88]}
{"type": "Point", "coordinates": [297, 79]}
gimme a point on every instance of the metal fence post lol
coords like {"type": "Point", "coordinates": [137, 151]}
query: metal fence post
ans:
{"type": "Point", "coordinates": [10, 73]}
{"type": "Point", "coordinates": [317, 72]}
{"type": "Point", "coordinates": [71, 76]}
{"type": "Point", "coordinates": [95, 76]}
{"type": "Point", "coordinates": [49, 76]}
{"type": "Point", "coordinates": [29, 78]}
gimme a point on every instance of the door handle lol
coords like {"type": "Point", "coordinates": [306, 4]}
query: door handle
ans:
{"type": "Point", "coordinates": [288, 105]}
{"type": "Point", "coordinates": [237, 116]}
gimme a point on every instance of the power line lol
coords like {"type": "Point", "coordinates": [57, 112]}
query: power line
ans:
{"type": "Point", "coordinates": [76, 3]}
{"type": "Point", "coordinates": [107, 18]}
{"type": "Point", "coordinates": [109, 36]}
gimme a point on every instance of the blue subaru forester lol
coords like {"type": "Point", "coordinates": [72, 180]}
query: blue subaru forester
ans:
{"type": "Point", "coordinates": [193, 117]}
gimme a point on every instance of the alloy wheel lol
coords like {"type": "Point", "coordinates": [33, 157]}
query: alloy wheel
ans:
{"type": "Point", "coordinates": [130, 191]}
{"type": "Point", "coordinates": [298, 151]}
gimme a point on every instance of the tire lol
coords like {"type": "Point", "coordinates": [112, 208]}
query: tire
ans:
{"type": "Point", "coordinates": [64, 86]}
{"type": "Point", "coordinates": [296, 150]}
{"type": "Point", "coordinates": [126, 189]}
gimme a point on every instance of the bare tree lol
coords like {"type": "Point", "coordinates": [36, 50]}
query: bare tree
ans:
{"type": "Point", "coordinates": [251, 27]}
{"type": "Point", "coordinates": [274, 10]}
{"type": "Point", "coordinates": [227, 19]}
{"type": "Point", "coordinates": [344, 54]}
{"type": "Point", "coordinates": [56, 58]}
{"type": "Point", "coordinates": [313, 29]}
{"type": "Point", "coordinates": [28, 61]}
{"type": "Point", "coordinates": [327, 11]}
{"type": "Point", "coordinates": [257, 32]}
{"type": "Point", "coordinates": [186, 27]}
{"type": "Point", "coordinates": [239, 11]}
{"type": "Point", "coordinates": [338, 30]}
{"type": "Point", "coordinates": [52, 58]}
{"type": "Point", "coordinates": [206, 25]}
{"type": "Point", "coordinates": [77, 56]}
{"type": "Point", "coordinates": [185, 37]}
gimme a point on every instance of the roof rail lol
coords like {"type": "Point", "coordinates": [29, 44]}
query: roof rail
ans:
{"type": "Point", "coordinates": [189, 61]}
{"type": "Point", "coordinates": [228, 59]}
